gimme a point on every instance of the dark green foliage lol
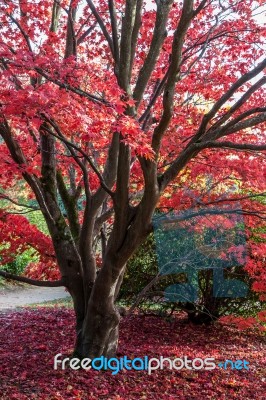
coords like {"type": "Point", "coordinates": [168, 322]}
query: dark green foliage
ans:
{"type": "Point", "coordinates": [143, 268]}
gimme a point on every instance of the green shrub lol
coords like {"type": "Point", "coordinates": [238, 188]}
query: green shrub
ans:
{"type": "Point", "coordinates": [142, 270]}
{"type": "Point", "coordinates": [19, 264]}
{"type": "Point", "coordinates": [36, 218]}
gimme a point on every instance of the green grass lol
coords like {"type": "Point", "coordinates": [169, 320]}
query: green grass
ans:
{"type": "Point", "coordinates": [65, 302]}
{"type": "Point", "coordinates": [9, 284]}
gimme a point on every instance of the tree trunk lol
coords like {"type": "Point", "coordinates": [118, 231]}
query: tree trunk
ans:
{"type": "Point", "coordinates": [77, 293]}
{"type": "Point", "coordinates": [99, 336]}
{"type": "Point", "coordinates": [100, 332]}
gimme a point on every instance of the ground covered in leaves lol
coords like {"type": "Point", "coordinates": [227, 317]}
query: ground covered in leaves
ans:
{"type": "Point", "coordinates": [29, 340]}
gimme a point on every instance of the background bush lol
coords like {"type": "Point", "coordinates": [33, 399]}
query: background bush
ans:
{"type": "Point", "coordinates": [142, 268]}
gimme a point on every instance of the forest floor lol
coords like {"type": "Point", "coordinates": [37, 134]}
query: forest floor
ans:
{"type": "Point", "coordinates": [31, 337]}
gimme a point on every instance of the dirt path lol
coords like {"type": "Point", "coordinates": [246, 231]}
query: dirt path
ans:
{"type": "Point", "coordinates": [11, 298]}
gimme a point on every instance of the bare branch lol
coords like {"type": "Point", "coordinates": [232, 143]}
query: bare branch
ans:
{"type": "Point", "coordinates": [239, 103]}
{"type": "Point", "coordinates": [135, 32]}
{"type": "Point", "coordinates": [74, 155]}
{"type": "Point", "coordinates": [102, 218]}
{"type": "Point", "coordinates": [174, 69]}
{"type": "Point", "coordinates": [113, 17]}
{"type": "Point", "coordinates": [77, 148]}
{"type": "Point", "coordinates": [231, 145]}
{"type": "Point", "coordinates": [71, 41]}
{"type": "Point", "coordinates": [5, 197]}
{"type": "Point", "coordinates": [144, 291]}
{"type": "Point", "coordinates": [33, 282]}
{"type": "Point", "coordinates": [201, 6]}
{"type": "Point", "coordinates": [234, 126]}
{"type": "Point", "coordinates": [73, 89]}
{"type": "Point", "coordinates": [158, 90]}
{"type": "Point", "coordinates": [55, 16]}
{"type": "Point", "coordinates": [163, 9]}
{"type": "Point", "coordinates": [128, 22]}
{"type": "Point", "coordinates": [86, 33]}
{"type": "Point", "coordinates": [20, 159]}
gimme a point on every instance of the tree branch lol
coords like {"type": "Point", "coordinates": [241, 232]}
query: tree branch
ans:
{"type": "Point", "coordinates": [163, 9]}
{"type": "Point", "coordinates": [110, 172]}
{"type": "Point", "coordinates": [184, 157]}
{"type": "Point", "coordinates": [113, 17]}
{"type": "Point", "coordinates": [230, 145]}
{"type": "Point", "coordinates": [20, 159]}
{"type": "Point", "coordinates": [234, 127]}
{"type": "Point", "coordinates": [66, 86]}
{"type": "Point", "coordinates": [85, 34]}
{"type": "Point", "coordinates": [135, 32]}
{"type": "Point", "coordinates": [55, 16]}
{"type": "Point", "coordinates": [60, 137]}
{"type": "Point", "coordinates": [158, 90]}
{"type": "Point", "coordinates": [174, 69]}
{"type": "Point", "coordinates": [71, 41]}
{"type": "Point", "coordinates": [225, 200]}
{"type": "Point", "coordinates": [201, 6]}
{"type": "Point", "coordinates": [24, 34]}
{"type": "Point", "coordinates": [241, 81]}
{"type": "Point", "coordinates": [5, 197]}
{"type": "Point", "coordinates": [70, 206]}
{"type": "Point", "coordinates": [73, 154]}
{"type": "Point", "coordinates": [102, 26]}
{"type": "Point", "coordinates": [238, 104]}
{"type": "Point", "coordinates": [33, 282]}
{"type": "Point", "coordinates": [124, 74]}
{"type": "Point", "coordinates": [103, 218]}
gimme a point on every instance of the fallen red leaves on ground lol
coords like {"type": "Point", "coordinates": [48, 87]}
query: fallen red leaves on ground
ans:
{"type": "Point", "coordinates": [29, 340]}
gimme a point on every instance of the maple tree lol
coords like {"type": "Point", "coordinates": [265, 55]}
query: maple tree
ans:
{"type": "Point", "coordinates": [124, 107]}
